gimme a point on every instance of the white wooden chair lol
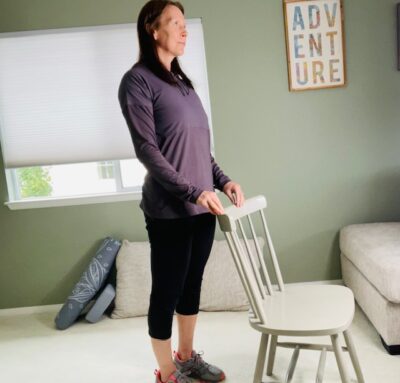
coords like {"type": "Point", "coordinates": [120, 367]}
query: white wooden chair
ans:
{"type": "Point", "coordinates": [309, 310]}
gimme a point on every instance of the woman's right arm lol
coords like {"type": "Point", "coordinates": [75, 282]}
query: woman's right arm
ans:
{"type": "Point", "coordinates": [137, 108]}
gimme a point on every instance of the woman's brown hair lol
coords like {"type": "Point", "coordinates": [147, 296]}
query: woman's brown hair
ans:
{"type": "Point", "coordinates": [148, 19]}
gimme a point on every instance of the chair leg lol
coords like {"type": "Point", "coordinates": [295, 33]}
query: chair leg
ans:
{"type": "Point", "coordinates": [271, 354]}
{"type": "Point", "coordinates": [353, 355]}
{"type": "Point", "coordinates": [261, 358]}
{"type": "Point", "coordinates": [292, 364]}
{"type": "Point", "coordinates": [339, 358]}
{"type": "Point", "coordinates": [321, 366]}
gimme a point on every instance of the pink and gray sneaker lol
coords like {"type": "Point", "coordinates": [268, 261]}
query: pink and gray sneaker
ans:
{"type": "Point", "coordinates": [197, 368]}
{"type": "Point", "coordinates": [176, 377]}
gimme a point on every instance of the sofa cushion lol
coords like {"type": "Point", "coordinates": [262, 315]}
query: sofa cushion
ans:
{"type": "Point", "coordinates": [217, 293]}
{"type": "Point", "coordinates": [133, 280]}
{"type": "Point", "coordinates": [374, 248]}
{"type": "Point", "coordinates": [222, 289]}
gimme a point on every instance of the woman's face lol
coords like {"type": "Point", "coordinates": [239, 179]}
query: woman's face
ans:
{"type": "Point", "coordinates": [170, 37]}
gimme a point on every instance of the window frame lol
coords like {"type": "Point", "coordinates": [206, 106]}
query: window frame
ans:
{"type": "Point", "coordinates": [121, 194]}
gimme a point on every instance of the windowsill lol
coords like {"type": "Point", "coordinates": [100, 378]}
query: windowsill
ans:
{"type": "Point", "coordinates": [74, 200]}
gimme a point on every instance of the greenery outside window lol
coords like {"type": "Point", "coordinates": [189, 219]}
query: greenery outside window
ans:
{"type": "Point", "coordinates": [67, 180]}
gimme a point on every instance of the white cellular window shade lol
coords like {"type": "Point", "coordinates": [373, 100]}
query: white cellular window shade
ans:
{"type": "Point", "coordinates": [59, 92]}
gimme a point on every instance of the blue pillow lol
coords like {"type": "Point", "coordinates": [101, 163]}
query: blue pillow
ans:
{"type": "Point", "coordinates": [101, 304]}
{"type": "Point", "coordinates": [90, 283]}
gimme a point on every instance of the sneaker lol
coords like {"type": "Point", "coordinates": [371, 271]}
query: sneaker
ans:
{"type": "Point", "coordinates": [176, 377]}
{"type": "Point", "coordinates": [197, 368]}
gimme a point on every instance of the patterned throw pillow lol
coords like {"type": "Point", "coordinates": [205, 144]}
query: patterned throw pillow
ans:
{"type": "Point", "coordinates": [91, 281]}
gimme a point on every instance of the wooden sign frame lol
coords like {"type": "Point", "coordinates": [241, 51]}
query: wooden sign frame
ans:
{"type": "Point", "coordinates": [327, 69]}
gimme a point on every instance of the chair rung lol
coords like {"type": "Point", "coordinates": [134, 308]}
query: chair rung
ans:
{"type": "Point", "coordinates": [308, 346]}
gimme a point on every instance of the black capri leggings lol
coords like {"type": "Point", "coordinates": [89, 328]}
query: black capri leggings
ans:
{"type": "Point", "coordinates": [180, 248]}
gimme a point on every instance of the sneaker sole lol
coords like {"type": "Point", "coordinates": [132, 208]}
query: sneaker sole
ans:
{"type": "Point", "coordinates": [222, 378]}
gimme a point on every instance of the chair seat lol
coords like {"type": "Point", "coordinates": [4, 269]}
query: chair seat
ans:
{"type": "Point", "coordinates": [310, 310]}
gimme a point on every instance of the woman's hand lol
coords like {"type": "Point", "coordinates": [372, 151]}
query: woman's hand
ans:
{"type": "Point", "coordinates": [210, 200]}
{"type": "Point", "coordinates": [234, 193]}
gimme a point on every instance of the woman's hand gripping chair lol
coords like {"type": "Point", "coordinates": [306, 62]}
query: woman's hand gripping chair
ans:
{"type": "Point", "coordinates": [312, 310]}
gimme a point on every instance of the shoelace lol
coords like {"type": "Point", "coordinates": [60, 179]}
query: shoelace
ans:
{"type": "Point", "coordinates": [198, 360]}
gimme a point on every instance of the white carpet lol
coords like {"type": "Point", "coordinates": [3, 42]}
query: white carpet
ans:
{"type": "Point", "coordinates": [119, 350]}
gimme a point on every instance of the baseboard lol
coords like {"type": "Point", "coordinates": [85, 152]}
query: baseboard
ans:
{"type": "Point", "coordinates": [57, 307]}
{"type": "Point", "coordinates": [30, 310]}
{"type": "Point", "coordinates": [331, 282]}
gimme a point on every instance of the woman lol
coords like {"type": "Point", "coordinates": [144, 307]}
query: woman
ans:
{"type": "Point", "coordinates": [171, 137]}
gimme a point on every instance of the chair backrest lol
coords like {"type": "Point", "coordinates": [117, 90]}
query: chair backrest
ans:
{"type": "Point", "coordinates": [256, 280]}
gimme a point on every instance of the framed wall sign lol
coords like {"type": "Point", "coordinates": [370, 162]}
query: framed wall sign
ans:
{"type": "Point", "coordinates": [314, 44]}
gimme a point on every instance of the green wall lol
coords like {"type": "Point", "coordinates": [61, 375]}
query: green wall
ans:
{"type": "Point", "coordinates": [323, 158]}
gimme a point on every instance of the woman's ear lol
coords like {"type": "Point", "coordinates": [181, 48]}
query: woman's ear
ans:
{"type": "Point", "coordinates": [151, 31]}
{"type": "Point", "coordinates": [155, 34]}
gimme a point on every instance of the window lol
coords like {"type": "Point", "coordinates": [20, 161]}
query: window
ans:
{"type": "Point", "coordinates": [77, 179]}
{"type": "Point", "coordinates": [105, 169]}
{"type": "Point", "coordinates": [61, 128]}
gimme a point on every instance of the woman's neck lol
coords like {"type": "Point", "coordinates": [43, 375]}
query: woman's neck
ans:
{"type": "Point", "coordinates": [165, 58]}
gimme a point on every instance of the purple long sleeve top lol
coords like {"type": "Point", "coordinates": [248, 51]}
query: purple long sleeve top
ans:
{"type": "Point", "coordinates": [171, 137]}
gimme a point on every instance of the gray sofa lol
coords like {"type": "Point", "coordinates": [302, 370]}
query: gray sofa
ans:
{"type": "Point", "coordinates": [370, 261]}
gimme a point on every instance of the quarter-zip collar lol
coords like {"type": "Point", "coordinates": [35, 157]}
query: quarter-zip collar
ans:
{"type": "Point", "coordinates": [181, 84]}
